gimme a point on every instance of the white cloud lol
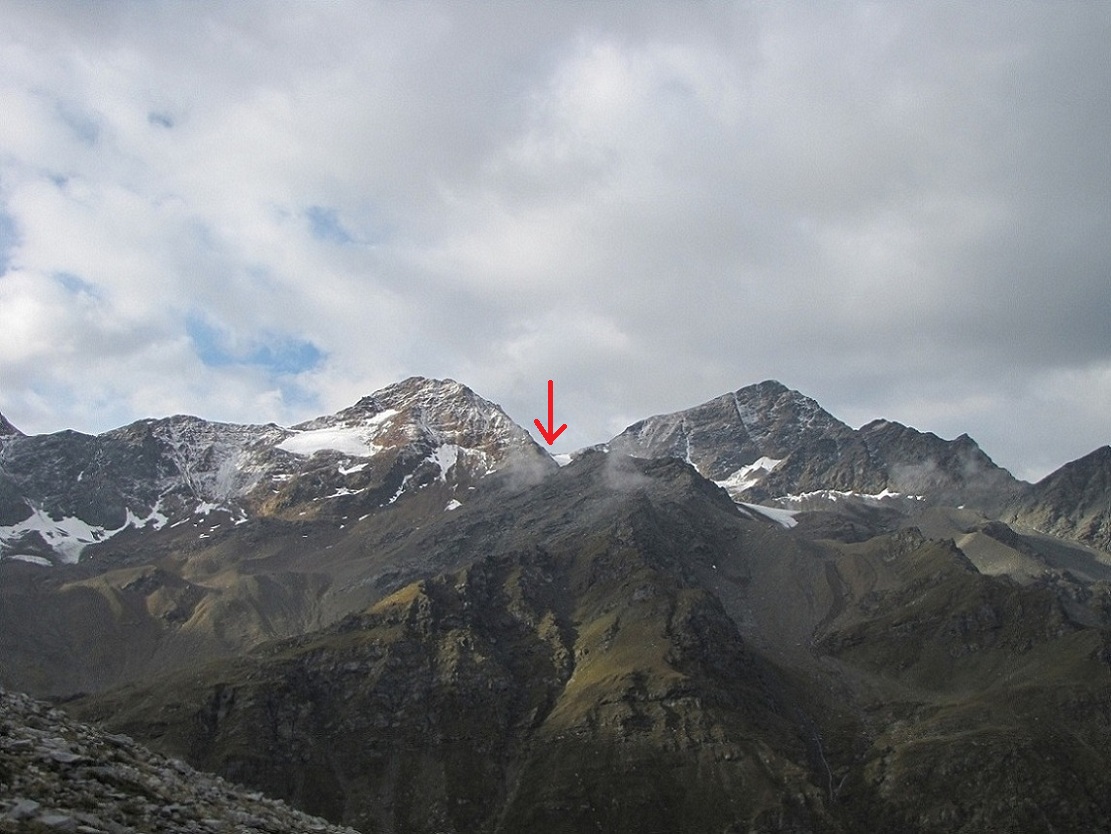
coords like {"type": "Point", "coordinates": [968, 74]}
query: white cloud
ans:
{"type": "Point", "coordinates": [899, 210]}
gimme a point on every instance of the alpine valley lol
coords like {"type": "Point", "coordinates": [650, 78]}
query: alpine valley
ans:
{"type": "Point", "coordinates": [407, 618]}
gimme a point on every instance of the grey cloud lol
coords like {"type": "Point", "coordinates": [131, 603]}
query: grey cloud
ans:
{"type": "Point", "coordinates": [900, 210]}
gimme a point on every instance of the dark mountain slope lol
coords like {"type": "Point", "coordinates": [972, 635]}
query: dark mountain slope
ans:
{"type": "Point", "coordinates": [575, 676]}
{"type": "Point", "coordinates": [992, 706]}
{"type": "Point", "coordinates": [623, 649]}
{"type": "Point", "coordinates": [1073, 502]}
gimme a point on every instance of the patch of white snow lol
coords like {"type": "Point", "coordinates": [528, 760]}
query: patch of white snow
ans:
{"type": "Point", "coordinates": [838, 495]}
{"type": "Point", "coordinates": [27, 557]}
{"type": "Point", "coordinates": [342, 491]}
{"type": "Point", "coordinates": [67, 536]}
{"type": "Point", "coordinates": [382, 416]}
{"type": "Point", "coordinates": [400, 489]}
{"type": "Point", "coordinates": [445, 456]}
{"type": "Point", "coordinates": [786, 518]}
{"type": "Point", "coordinates": [155, 518]}
{"type": "Point", "coordinates": [349, 440]}
{"type": "Point", "coordinates": [749, 476]}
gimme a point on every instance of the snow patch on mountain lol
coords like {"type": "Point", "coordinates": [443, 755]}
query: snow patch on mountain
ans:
{"type": "Point", "coordinates": [841, 495]}
{"type": "Point", "coordinates": [748, 476]}
{"type": "Point", "coordinates": [34, 560]}
{"type": "Point", "coordinates": [400, 489]}
{"type": "Point", "coordinates": [155, 519]}
{"type": "Point", "coordinates": [341, 492]}
{"type": "Point", "coordinates": [445, 457]}
{"type": "Point", "coordinates": [348, 440]}
{"type": "Point", "coordinates": [785, 518]}
{"type": "Point", "coordinates": [66, 536]}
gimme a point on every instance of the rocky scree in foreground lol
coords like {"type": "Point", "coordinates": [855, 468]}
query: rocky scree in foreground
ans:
{"type": "Point", "coordinates": [57, 775]}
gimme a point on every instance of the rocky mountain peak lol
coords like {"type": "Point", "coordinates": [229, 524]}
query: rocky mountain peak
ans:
{"type": "Point", "coordinates": [62, 493]}
{"type": "Point", "coordinates": [411, 389]}
{"type": "Point", "coordinates": [434, 412]}
{"type": "Point", "coordinates": [767, 442]}
{"type": "Point", "coordinates": [438, 401]}
{"type": "Point", "coordinates": [1074, 501]}
{"type": "Point", "coordinates": [7, 429]}
{"type": "Point", "coordinates": [780, 418]}
{"type": "Point", "coordinates": [723, 436]}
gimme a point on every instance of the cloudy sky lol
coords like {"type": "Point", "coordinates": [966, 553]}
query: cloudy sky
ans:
{"type": "Point", "coordinates": [258, 212]}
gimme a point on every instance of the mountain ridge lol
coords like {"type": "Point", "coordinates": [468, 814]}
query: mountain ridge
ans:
{"type": "Point", "coordinates": [766, 442]}
{"type": "Point", "coordinates": [155, 472]}
{"type": "Point", "coordinates": [1073, 501]}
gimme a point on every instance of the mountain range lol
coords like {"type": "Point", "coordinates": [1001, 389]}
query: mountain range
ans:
{"type": "Point", "coordinates": [744, 616]}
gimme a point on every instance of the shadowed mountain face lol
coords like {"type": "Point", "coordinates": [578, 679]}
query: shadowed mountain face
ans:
{"type": "Point", "coordinates": [404, 617]}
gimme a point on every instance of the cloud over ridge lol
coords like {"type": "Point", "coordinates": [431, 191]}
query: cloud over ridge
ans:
{"type": "Point", "coordinates": [263, 211]}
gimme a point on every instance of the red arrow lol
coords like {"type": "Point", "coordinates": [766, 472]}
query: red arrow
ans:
{"type": "Point", "coordinates": [550, 434]}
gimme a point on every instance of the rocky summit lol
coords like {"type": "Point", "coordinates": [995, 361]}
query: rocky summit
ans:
{"type": "Point", "coordinates": [7, 429]}
{"type": "Point", "coordinates": [406, 618]}
{"type": "Point", "coordinates": [767, 443]}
